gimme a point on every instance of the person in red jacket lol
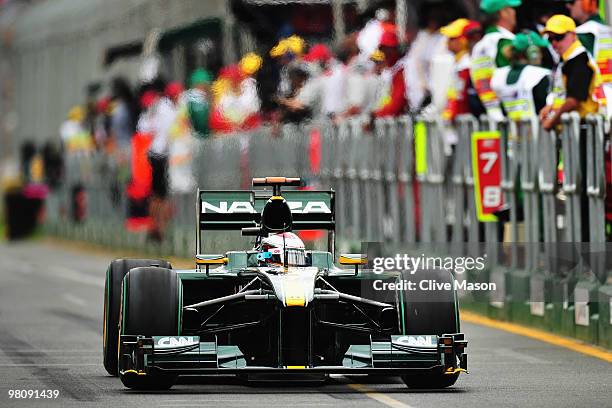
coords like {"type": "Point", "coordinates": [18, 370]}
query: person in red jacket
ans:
{"type": "Point", "coordinates": [458, 45]}
{"type": "Point", "coordinates": [392, 98]}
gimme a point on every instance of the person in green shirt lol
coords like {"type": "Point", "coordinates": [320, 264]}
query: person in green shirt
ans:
{"type": "Point", "coordinates": [500, 17]}
{"type": "Point", "coordinates": [584, 12]}
{"type": "Point", "coordinates": [198, 102]}
{"type": "Point", "coordinates": [523, 85]}
{"type": "Point", "coordinates": [492, 51]}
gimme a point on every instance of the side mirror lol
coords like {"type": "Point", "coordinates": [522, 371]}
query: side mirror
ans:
{"type": "Point", "coordinates": [353, 259]}
{"type": "Point", "coordinates": [208, 260]}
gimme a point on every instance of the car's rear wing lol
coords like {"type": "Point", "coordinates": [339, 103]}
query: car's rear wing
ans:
{"type": "Point", "coordinates": [234, 210]}
{"type": "Point", "coordinates": [229, 210]}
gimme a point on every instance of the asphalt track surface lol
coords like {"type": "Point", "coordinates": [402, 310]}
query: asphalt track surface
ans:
{"type": "Point", "coordinates": [50, 338]}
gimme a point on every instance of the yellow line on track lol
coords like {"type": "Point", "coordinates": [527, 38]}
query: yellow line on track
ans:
{"type": "Point", "coordinates": [550, 338]}
{"type": "Point", "coordinates": [380, 397]}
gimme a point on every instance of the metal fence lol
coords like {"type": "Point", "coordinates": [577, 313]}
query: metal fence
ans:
{"type": "Point", "coordinates": [538, 257]}
{"type": "Point", "coordinates": [379, 196]}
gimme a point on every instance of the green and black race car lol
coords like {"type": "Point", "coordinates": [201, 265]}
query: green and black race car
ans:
{"type": "Point", "coordinates": [277, 310]}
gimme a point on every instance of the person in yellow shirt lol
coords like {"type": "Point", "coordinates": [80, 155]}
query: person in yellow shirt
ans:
{"type": "Point", "coordinates": [576, 76]}
{"type": "Point", "coordinates": [575, 81]}
{"type": "Point", "coordinates": [596, 36]}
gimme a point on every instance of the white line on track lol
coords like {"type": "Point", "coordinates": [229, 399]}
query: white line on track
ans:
{"type": "Point", "coordinates": [379, 396]}
{"type": "Point", "coordinates": [369, 392]}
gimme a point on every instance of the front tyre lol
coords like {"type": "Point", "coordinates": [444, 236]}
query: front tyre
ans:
{"type": "Point", "coordinates": [150, 306]}
{"type": "Point", "coordinates": [112, 300]}
{"type": "Point", "coordinates": [430, 312]}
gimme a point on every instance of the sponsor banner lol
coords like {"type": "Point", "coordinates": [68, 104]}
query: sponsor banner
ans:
{"type": "Point", "coordinates": [233, 210]}
{"type": "Point", "coordinates": [163, 342]}
{"type": "Point", "coordinates": [415, 341]}
{"type": "Point", "coordinates": [241, 202]}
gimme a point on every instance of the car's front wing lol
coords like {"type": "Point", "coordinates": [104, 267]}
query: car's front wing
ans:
{"type": "Point", "coordinates": [399, 355]}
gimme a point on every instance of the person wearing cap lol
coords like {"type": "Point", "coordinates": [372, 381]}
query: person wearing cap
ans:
{"type": "Point", "coordinates": [335, 82]}
{"type": "Point", "coordinates": [596, 37]}
{"type": "Point", "coordinates": [290, 47]}
{"type": "Point", "coordinates": [250, 64]}
{"type": "Point", "coordinates": [576, 76]}
{"type": "Point", "coordinates": [74, 136]}
{"type": "Point", "coordinates": [473, 33]}
{"type": "Point", "coordinates": [392, 100]}
{"type": "Point", "coordinates": [174, 90]}
{"type": "Point", "coordinates": [101, 123]}
{"type": "Point", "coordinates": [574, 83]}
{"type": "Point", "coordinates": [198, 102]}
{"type": "Point", "coordinates": [591, 29]}
{"type": "Point", "coordinates": [368, 39]}
{"type": "Point", "coordinates": [174, 94]}
{"type": "Point", "coordinates": [310, 85]}
{"type": "Point", "coordinates": [238, 107]}
{"type": "Point", "coordinates": [287, 53]}
{"type": "Point", "coordinates": [374, 83]}
{"type": "Point", "coordinates": [491, 51]}
{"type": "Point", "coordinates": [523, 86]}
{"type": "Point", "coordinates": [304, 99]}
{"type": "Point", "coordinates": [181, 141]}
{"type": "Point", "coordinates": [457, 43]}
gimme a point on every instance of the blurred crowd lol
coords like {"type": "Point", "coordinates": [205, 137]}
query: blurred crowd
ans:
{"type": "Point", "coordinates": [439, 71]}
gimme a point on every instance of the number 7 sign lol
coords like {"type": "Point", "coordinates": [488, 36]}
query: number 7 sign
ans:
{"type": "Point", "coordinates": [486, 167]}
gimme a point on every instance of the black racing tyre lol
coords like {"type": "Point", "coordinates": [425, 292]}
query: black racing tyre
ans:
{"type": "Point", "coordinates": [150, 306]}
{"type": "Point", "coordinates": [428, 311]}
{"type": "Point", "coordinates": [112, 299]}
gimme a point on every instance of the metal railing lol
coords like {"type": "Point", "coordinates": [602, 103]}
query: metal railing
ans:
{"type": "Point", "coordinates": [379, 195]}
{"type": "Point", "coordinates": [542, 268]}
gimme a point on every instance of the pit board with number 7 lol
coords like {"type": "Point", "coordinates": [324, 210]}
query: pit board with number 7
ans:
{"type": "Point", "coordinates": [486, 167]}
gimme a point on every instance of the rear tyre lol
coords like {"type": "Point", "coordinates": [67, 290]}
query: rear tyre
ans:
{"type": "Point", "coordinates": [430, 312]}
{"type": "Point", "coordinates": [150, 306]}
{"type": "Point", "coordinates": [112, 299]}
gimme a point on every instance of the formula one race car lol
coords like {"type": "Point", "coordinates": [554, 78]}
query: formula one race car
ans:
{"type": "Point", "coordinates": [277, 311]}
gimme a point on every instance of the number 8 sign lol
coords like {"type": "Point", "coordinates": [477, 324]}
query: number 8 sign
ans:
{"type": "Point", "coordinates": [486, 167]}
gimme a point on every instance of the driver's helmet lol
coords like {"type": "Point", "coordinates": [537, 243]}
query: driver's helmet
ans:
{"type": "Point", "coordinates": [271, 250]}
